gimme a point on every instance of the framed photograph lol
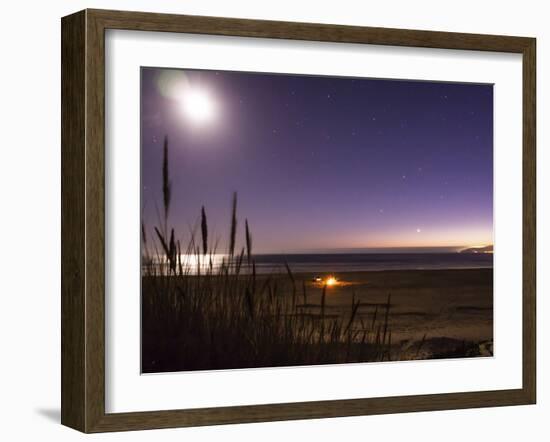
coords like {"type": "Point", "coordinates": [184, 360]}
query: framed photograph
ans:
{"type": "Point", "coordinates": [267, 220]}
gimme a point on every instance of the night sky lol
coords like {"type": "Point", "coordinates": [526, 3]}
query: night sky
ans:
{"type": "Point", "coordinates": [321, 163]}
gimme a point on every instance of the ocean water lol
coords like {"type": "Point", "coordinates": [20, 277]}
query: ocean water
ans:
{"type": "Point", "coordinates": [355, 262]}
{"type": "Point", "coordinates": [347, 262]}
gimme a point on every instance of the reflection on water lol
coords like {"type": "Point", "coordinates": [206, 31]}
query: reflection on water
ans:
{"type": "Point", "coordinates": [323, 263]}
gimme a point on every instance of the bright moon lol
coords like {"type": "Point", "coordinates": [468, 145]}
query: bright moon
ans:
{"type": "Point", "coordinates": [198, 106]}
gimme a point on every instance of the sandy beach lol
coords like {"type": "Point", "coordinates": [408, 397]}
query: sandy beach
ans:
{"type": "Point", "coordinates": [453, 304]}
{"type": "Point", "coordinates": [432, 314]}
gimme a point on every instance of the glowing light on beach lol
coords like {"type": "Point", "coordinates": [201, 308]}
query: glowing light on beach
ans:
{"type": "Point", "coordinates": [331, 281]}
{"type": "Point", "coordinates": [198, 105]}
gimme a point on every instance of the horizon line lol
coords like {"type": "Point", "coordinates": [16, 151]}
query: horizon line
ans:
{"type": "Point", "coordinates": [351, 250]}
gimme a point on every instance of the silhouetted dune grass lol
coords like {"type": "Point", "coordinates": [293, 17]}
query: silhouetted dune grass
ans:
{"type": "Point", "coordinates": [197, 316]}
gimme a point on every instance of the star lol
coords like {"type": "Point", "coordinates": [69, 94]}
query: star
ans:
{"type": "Point", "coordinates": [418, 230]}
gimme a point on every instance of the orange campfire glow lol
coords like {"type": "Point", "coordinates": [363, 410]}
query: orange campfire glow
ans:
{"type": "Point", "coordinates": [329, 281]}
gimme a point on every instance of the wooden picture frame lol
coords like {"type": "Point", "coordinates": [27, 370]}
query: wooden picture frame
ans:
{"type": "Point", "coordinates": [83, 217]}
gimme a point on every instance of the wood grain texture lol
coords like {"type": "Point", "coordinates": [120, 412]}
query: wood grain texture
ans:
{"type": "Point", "coordinates": [73, 254]}
{"type": "Point", "coordinates": [144, 21]}
{"type": "Point", "coordinates": [529, 221]}
{"type": "Point", "coordinates": [95, 222]}
{"type": "Point", "coordinates": [83, 218]}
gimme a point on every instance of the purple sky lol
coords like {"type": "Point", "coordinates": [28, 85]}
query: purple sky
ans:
{"type": "Point", "coordinates": [322, 163]}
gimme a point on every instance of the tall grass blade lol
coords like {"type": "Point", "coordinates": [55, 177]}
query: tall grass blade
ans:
{"type": "Point", "coordinates": [233, 231]}
{"type": "Point", "coordinates": [248, 241]}
{"type": "Point", "coordinates": [172, 248]}
{"type": "Point", "coordinates": [386, 318]}
{"type": "Point", "coordinates": [204, 231]}
{"type": "Point", "coordinates": [323, 301]}
{"type": "Point", "coordinates": [355, 307]}
{"type": "Point", "coordinates": [163, 242]}
{"type": "Point", "coordinates": [143, 234]}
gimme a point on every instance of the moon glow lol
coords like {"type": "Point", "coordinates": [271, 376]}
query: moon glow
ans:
{"type": "Point", "coordinates": [198, 106]}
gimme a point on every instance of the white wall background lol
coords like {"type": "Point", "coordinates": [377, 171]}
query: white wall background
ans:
{"type": "Point", "coordinates": [30, 217]}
